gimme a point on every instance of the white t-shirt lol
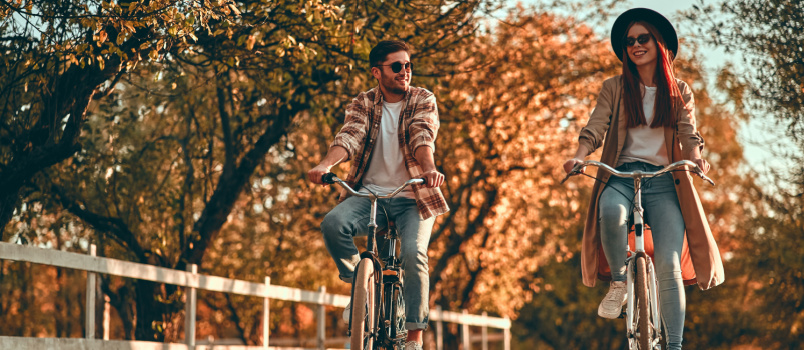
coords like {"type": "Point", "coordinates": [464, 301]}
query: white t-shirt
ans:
{"type": "Point", "coordinates": [643, 144]}
{"type": "Point", "coordinates": [387, 168]}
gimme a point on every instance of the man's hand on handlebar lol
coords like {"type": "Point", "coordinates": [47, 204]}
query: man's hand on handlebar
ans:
{"type": "Point", "coordinates": [314, 175]}
{"type": "Point", "coordinates": [321, 175]}
{"type": "Point", "coordinates": [433, 178]}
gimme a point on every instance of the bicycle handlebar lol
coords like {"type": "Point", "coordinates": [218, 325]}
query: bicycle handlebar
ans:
{"type": "Point", "coordinates": [693, 168]}
{"type": "Point", "coordinates": [331, 178]}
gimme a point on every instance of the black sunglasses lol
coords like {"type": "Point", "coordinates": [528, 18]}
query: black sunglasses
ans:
{"type": "Point", "coordinates": [642, 39]}
{"type": "Point", "coordinates": [396, 67]}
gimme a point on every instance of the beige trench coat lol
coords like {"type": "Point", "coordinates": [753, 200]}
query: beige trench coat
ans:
{"type": "Point", "coordinates": [700, 261]}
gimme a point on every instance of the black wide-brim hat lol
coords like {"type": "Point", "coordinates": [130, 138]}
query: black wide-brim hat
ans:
{"type": "Point", "coordinates": [642, 14]}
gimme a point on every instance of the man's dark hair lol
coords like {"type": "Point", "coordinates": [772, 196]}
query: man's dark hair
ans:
{"type": "Point", "coordinates": [385, 48]}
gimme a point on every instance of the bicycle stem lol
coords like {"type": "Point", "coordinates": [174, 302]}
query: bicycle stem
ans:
{"type": "Point", "coordinates": [372, 225]}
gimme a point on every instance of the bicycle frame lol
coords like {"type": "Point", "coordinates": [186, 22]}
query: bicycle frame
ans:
{"type": "Point", "coordinates": [371, 246]}
{"type": "Point", "coordinates": [389, 274]}
{"type": "Point", "coordinates": [639, 244]}
{"type": "Point", "coordinates": [639, 250]}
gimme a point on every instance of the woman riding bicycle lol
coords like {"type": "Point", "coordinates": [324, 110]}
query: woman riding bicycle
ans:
{"type": "Point", "coordinates": [645, 120]}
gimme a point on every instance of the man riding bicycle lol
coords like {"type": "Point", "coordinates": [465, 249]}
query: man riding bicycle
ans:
{"type": "Point", "coordinates": [389, 136]}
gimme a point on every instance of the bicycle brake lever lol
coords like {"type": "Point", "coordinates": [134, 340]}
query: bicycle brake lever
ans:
{"type": "Point", "coordinates": [707, 179]}
{"type": "Point", "coordinates": [566, 177]}
{"type": "Point", "coordinates": [575, 171]}
{"type": "Point", "coordinates": [697, 171]}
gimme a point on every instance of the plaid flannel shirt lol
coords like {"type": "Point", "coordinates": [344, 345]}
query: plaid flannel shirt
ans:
{"type": "Point", "coordinates": [418, 127]}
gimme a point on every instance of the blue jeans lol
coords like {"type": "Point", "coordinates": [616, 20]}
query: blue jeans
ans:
{"type": "Point", "coordinates": [663, 214]}
{"type": "Point", "coordinates": [350, 218]}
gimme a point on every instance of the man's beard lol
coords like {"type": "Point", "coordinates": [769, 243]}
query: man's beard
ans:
{"type": "Point", "coordinates": [393, 88]}
{"type": "Point", "coordinates": [398, 90]}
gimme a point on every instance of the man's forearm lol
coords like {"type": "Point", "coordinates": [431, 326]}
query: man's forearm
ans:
{"type": "Point", "coordinates": [335, 156]}
{"type": "Point", "coordinates": [432, 178]}
{"type": "Point", "coordinates": [424, 155]}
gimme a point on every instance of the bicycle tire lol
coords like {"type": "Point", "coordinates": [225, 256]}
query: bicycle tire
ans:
{"type": "Point", "coordinates": [363, 311]}
{"type": "Point", "coordinates": [643, 311]}
{"type": "Point", "coordinates": [397, 312]}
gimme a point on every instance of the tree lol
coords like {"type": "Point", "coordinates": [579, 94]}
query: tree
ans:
{"type": "Point", "coordinates": [59, 56]}
{"type": "Point", "coordinates": [506, 128]}
{"type": "Point", "coordinates": [166, 161]}
{"type": "Point", "coordinates": [767, 34]}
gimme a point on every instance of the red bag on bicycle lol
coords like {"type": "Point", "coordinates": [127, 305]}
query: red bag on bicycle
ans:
{"type": "Point", "coordinates": [687, 271]}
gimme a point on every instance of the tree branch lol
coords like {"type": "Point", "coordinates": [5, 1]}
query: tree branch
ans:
{"type": "Point", "coordinates": [118, 229]}
{"type": "Point", "coordinates": [229, 187]}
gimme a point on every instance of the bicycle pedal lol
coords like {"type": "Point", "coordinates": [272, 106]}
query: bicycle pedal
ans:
{"type": "Point", "coordinates": [389, 273]}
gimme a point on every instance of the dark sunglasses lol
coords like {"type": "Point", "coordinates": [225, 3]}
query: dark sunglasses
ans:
{"type": "Point", "coordinates": [396, 67]}
{"type": "Point", "coordinates": [641, 39]}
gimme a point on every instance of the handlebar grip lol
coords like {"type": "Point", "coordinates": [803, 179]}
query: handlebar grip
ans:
{"type": "Point", "coordinates": [328, 178]}
{"type": "Point", "coordinates": [697, 171]}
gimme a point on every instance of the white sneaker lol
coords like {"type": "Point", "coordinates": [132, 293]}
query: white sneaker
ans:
{"type": "Point", "coordinates": [612, 304]}
{"type": "Point", "coordinates": [413, 345]}
{"type": "Point", "coordinates": [347, 312]}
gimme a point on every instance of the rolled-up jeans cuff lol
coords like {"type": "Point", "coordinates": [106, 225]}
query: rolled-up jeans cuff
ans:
{"type": "Point", "coordinates": [412, 326]}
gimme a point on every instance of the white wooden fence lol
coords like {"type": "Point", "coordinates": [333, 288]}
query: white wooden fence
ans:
{"type": "Point", "coordinates": [193, 281]}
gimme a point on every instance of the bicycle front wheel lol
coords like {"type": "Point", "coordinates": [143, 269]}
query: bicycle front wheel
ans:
{"type": "Point", "coordinates": [395, 303]}
{"type": "Point", "coordinates": [363, 314]}
{"type": "Point", "coordinates": [644, 328]}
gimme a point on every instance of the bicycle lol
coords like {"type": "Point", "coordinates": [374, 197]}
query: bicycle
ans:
{"type": "Point", "coordinates": [378, 283]}
{"type": "Point", "coordinates": [642, 311]}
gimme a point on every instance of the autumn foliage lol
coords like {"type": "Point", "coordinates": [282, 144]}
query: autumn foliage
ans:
{"type": "Point", "coordinates": [180, 132]}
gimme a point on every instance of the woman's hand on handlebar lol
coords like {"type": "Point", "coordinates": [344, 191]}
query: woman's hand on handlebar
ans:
{"type": "Point", "coordinates": [701, 163]}
{"type": "Point", "coordinates": [433, 178]}
{"type": "Point", "coordinates": [571, 163]}
{"type": "Point", "coordinates": [314, 175]}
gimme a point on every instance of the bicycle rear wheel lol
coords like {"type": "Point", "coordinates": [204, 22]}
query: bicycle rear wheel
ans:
{"type": "Point", "coordinates": [644, 330]}
{"type": "Point", "coordinates": [363, 311]}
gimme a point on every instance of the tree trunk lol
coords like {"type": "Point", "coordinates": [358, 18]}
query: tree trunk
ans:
{"type": "Point", "coordinates": [149, 312]}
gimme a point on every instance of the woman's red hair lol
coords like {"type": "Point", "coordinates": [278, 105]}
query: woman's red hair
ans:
{"type": "Point", "coordinates": [668, 95]}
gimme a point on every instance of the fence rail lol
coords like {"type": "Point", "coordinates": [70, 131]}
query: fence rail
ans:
{"type": "Point", "coordinates": [193, 281]}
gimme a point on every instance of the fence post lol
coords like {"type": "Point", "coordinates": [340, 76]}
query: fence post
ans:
{"type": "Point", "coordinates": [265, 318]}
{"type": "Point", "coordinates": [507, 335]}
{"type": "Point", "coordinates": [467, 343]}
{"type": "Point", "coordinates": [106, 316]}
{"type": "Point", "coordinates": [90, 307]}
{"type": "Point", "coordinates": [484, 335]}
{"type": "Point", "coordinates": [190, 308]}
{"type": "Point", "coordinates": [321, 318]}
{"type": "Point", "coordinates": [439, 329]}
